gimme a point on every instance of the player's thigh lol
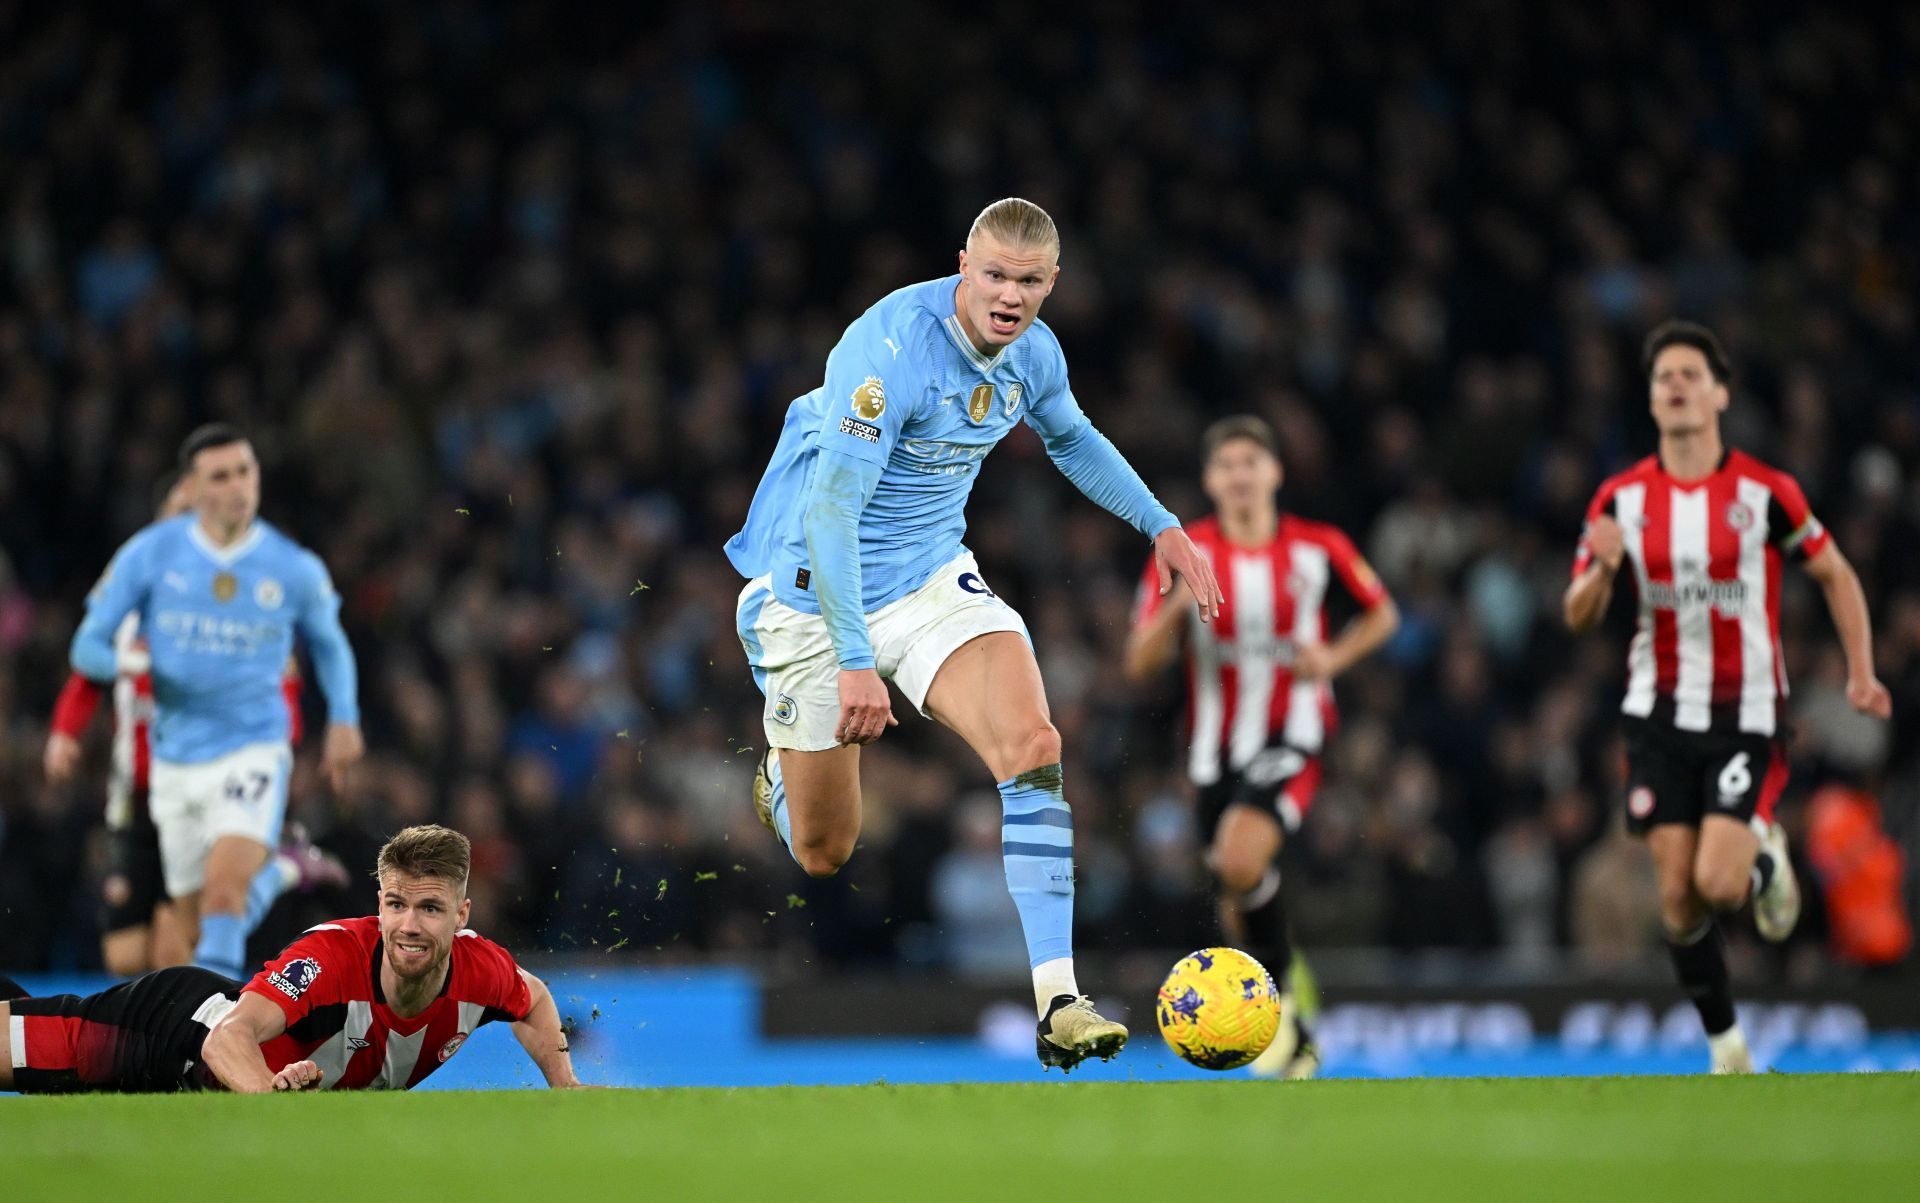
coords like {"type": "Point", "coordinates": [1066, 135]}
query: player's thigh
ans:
{"type": "Point", "coordinates": [794, 665]}
{"type": "Point", "coordinates": [1245, 842]}
{"type": "Point", "coordinates": [1723, 863]}
{"type": "Point", "coordinates": [823, 796]}
{"type": "Point", "coordinates": [962, 657]}
{"type": "Point", "coordinates": [180, 802]}
{"type": "Point", "coordinates": [1664, 781]}
{"type": "Point", "coordinates": [249, 803]}
{"type": "Point", "coordinates": [232, 863]}
{"type": "Point", "coordinates": [1674, 847]}
{"type": "Point", "coordinates": [989, 692]}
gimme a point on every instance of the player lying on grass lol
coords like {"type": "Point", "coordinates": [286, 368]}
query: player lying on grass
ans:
{"type": "Point", "coordinates": [371, 1004]}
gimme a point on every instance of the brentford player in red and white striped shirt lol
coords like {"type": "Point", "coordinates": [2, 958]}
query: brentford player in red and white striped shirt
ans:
{"type": "Point", "coordinates": [374, 1003]}
{"type": "Point", "coordinates": [1260, 686]}
{"type": "Point", "coordinates": [1705, 531]}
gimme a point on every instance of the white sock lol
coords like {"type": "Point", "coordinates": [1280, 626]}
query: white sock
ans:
{"type": "Point", "coordinates": [1051, 979]}
{"type": "Point", "coordinates": [1727, 1044]}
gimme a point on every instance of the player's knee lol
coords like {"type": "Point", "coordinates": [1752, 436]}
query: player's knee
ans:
{"type": "Point", "coordinates": [123, 961]}
{"type": "Point", "coordinates": [1721, 888]}
{"type": "Point", "coordinates": [1036, 748]}
{"type": "Point", "coordinates": [822, 857]}
{"type": "Point", "coordinates": [1680, 906]}
{"type": "Point", "coordinates": [1239, 872]}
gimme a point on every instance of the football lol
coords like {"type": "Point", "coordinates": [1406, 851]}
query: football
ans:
{"type": "Point", "coordinates": [1219, 1008]}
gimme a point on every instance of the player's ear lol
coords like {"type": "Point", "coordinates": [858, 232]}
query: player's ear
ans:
{"type": "Point", "coordinates": [466, 909]}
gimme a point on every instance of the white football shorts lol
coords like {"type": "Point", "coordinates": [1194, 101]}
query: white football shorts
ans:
{"type": "Point", "coordinates": [794, 663]}
{"type": "Point", "coordinates": [243, 793]}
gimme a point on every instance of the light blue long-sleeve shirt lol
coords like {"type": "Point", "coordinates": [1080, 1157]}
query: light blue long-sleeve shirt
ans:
{"type": "Point", "coordinates": [219, 625]}
{"type": "Point", "coordinates": [865, 496]}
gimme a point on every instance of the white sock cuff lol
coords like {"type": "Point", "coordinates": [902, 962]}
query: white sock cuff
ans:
{"type": "Point", "coordinates": [1052, 979]}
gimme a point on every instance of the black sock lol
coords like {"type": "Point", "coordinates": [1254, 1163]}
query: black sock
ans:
{"type": "Point", "coordinates": [1701, 966]}
{"type": "Point", "coordinates": [1264, 915]}
{"type": "Point", "coordinates": [10, 989]}
{"type": "Point", "coordinates": [1762, 873]}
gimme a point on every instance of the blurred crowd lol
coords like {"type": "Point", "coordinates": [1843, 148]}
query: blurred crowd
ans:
{"type": "Point", "coordinates": [513, 303]}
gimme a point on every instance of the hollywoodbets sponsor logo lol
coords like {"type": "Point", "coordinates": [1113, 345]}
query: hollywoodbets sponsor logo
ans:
{"type": "Point", "coordinates": [1728, 597]}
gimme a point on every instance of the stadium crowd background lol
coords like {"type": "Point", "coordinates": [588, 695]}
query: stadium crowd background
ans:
{"type": "Point", "coordinates": [513, 303]}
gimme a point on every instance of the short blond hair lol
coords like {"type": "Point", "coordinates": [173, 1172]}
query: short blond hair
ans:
{"type": "Point", "coordinates": [429, 850]}
{"type": "Point", "coordinates": [1016, 222]}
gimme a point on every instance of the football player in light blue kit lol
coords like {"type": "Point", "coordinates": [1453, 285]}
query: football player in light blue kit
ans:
{"type": "Point", "coordinates": [219, 595]}
{"type": "Point", "coordinates": [858, 575]}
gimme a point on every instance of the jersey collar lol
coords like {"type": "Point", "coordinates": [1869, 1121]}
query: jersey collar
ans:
{"type": "Point", "coordinates": [981, 363]}
{"type": "Point", "coordinates": [225, 555]}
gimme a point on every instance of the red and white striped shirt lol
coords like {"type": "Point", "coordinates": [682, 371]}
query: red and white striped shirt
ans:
{"type": "Point", "coordinates": [328, 984]}
{"type": "Point", "coordinates": [1242, 694]}
{"type": "Point", "coordinates": [1706, 559]}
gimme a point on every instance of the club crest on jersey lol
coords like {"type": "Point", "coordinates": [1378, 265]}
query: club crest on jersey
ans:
{"type": "Point", "coordinates": [980, 404]}
{"type": "Point", "coordinates": [295, 977]}
{"type": "Point", "coordinates": [870, 399]}
{"type": "Point", "coordinates": [225, 586]}
{"type": "Point", "coordinates": [1640, 802]}
{"type": "Point", "coordinates": [785, 710]}
{"type": "Point", "coordinates": [268, 594]}
{"type": "Point", "coordinates": [1013, 397]}
{"type": "Point", "coordinates": [452, 1045]}
{"type": "Point", "coordinates": [1740, 516]}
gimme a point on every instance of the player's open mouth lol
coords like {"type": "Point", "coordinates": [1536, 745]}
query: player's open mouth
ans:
{"type": "Point", "coordinates": [1003, 323]}
{"type": "Point", "coordinates": [411, 950]}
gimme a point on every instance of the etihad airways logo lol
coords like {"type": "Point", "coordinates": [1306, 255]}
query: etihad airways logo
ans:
{"type": "Point", "coordinates": [1728, 597]}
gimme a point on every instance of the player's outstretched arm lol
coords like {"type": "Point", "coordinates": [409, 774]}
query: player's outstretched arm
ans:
{"type": "Point", "coordinates": [232, 1050]}
{"type": "Point", "coordinates": [339, 676]}
{"type": "Point", "coordinates": [1847, 602]}
{"type": "Point", "coordinates": [541, 1035]}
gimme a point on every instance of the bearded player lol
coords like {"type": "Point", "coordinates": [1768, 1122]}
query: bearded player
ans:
{"type": "Point", "coordinates": [1261, 696]}
{"type": "Point", "coordinates": [1704, 531]}
{"type": "Point", "coordinates": [377, 1003]}
{"type": "Point", "coordinates": [857, 575]}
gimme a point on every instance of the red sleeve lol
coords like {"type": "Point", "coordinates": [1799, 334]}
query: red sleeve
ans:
{"type": "Point", "coordinates": [1353, 570]}
{"type": "Point", "coordinates": [1147, 601]}
{"type": "Point", "coordinates": [1794, 529]}
{"type": "Point", "coordinates": [310, 972]}
{"type": "Point", "coordinates": [492, 978]}
{"type": "Point", "coordinates": [1600, 506]}
{"type": "Point", "coordinates": [290, 686]}
{"type": "Point", "coordinates": [78, 700]}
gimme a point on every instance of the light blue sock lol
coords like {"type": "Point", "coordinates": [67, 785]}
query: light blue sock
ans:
{"type": "Point", "coordinates": [1036, 842]}
{"type": "Point", "coordinates": [223, 944]}
{"type": "Point", "coordinates": [267, 886]}
{"type": "Point", "coordinates": [782, 821]}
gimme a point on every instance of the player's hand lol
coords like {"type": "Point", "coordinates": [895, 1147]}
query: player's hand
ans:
{"type": "Point", "coordinates": [133, 660]}
{"type": "Point", "coordinates": [1606, 542]}
{"type": "Point", "coordinates": [1175, 555]}
{"type": "Point", "coordinates": [1869, 696]}
{"type": "Point", "coordinates": [345, 747]}
{"type": "Point", "coordinates": [300, 1075]}
{"type": "Point", "coordinates": [866, 709]}
{"type": "Point", "coordinates": [1313, 662]}
{"type": "Point", "coordinates": [61, 758]}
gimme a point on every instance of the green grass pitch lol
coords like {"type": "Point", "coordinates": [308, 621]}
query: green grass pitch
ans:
{"type": "Point", "coordinates": [1787, 1137]}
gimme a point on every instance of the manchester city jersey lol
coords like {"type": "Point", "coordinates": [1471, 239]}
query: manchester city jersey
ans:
{"type": "Point", "coordinates": [907, 390]}
{"type": "Point", "coordinates": [219, 624]}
